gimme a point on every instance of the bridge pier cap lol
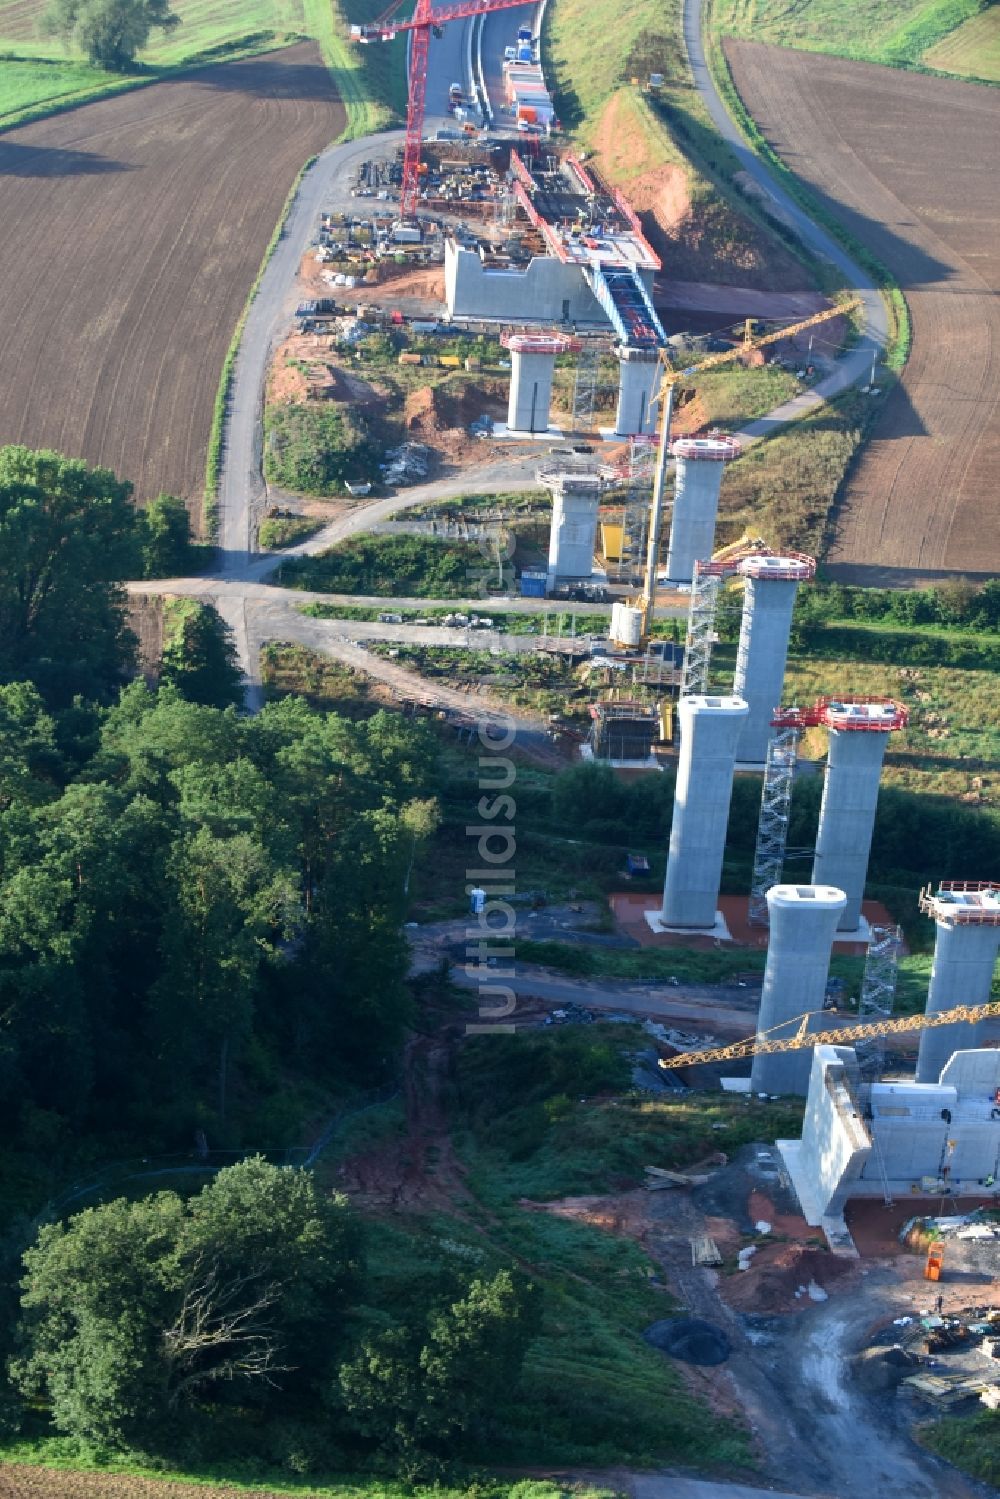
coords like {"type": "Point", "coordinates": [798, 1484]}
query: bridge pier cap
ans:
{"type": "Point", "coordinates": [967, 943]}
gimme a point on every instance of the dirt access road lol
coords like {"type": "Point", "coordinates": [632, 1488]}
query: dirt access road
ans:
{"type": "Point", "coordinates": [908, 164]}
{"type": "Point", "coordinates": [789, 1372]}
{"type": "Point", "coordinates": [130, 232]}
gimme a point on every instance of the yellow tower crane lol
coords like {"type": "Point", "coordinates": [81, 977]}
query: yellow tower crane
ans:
{"type": "Point", "coordinates": [762, 1046]}
{"type": "Point", "coordinates": [671, 377]}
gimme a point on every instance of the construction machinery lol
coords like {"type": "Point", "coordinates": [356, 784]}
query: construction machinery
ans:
{"type": "Point", "coordinates": [846, 1035]}
{"type": "Point", "coordinates": [671, 378]}
{"type": "Point", "coordinates": [932, 1271]}
{"type": "Point", "coordinates": [426, 18]}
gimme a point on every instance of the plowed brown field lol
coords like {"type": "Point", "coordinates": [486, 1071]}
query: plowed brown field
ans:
{"type": "Point", "coordinates": [20, 1482]}
{"type": "Point", "coordinates": [909, 165]}
{"type": "Point", "coordinates": [130, 233]}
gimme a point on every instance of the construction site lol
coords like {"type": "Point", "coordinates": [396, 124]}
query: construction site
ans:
{"type": "Point", "coordinates": [539, 252]}
{"type": "Point", "coordinates": [496, 236]}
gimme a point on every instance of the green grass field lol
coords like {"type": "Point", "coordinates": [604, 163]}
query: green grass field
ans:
{"type": "Point", "coordinates": [972, 51]}
{"type": "Point", "coordinates": [947, 35]}
{"type": "Point", "coordinates": [38, 75]}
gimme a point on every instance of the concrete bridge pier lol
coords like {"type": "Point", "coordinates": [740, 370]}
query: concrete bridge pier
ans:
{"type": "Point", "coordinates": [638, 382]}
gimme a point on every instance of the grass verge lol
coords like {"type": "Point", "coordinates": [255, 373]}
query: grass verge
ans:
{"type": "Point", "coordinates": [972, 1443]}
{"type": "Point", "coordinates": [900, 335]}
{"type": "Point", "coordinates": [213, 460]}
{"type": "Point", "coordinates": [926, 36]}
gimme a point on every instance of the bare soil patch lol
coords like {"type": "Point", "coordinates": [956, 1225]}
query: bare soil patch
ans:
{"type": "Point", "coordinates": [698, 234]}
{"type": "Point", "coordinates": [18, 1481]}
{"type": "Point", "coordinates": [413, 290]}
{"type": "Point", "coordinates": [440, 416]}
{"type": "Point", "coordinates": [130, 232]}
{"type": "Point", "coordinates": [305, 367]}
{"type": "Point", "coordinates": [908, 164]}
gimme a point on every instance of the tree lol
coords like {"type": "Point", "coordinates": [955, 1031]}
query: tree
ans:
{"type": "Point", "coordinates": [110, 32]}
{"type": "Point", "coordinates": [141, 1318]}
{"type": "Point", "coordinates": [165, 538]}
{"type": "Point", "coordinates": [67, 540]}
{"type": "Point", "coordinates": [199, 655]}
{"type": "Point", "coordinates": [418, 1394]}
{"type": "Point", "coordinates": [231, 906]}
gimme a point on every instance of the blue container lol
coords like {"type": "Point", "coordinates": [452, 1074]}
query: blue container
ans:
{"type": "Point", "coordinates": [533, 584]}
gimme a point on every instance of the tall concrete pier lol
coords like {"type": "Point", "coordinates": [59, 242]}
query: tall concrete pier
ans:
{"type": "Point", "coordinates": [967, 915]}
{"type": "Point", "coordinates": [803, 920]}
{"type": "Point", "coordinates": [768, 602]}
{"type": "Point", "coordinates": [638, 381]}
{"type": "Point", "coordinates": [701, 462]}
{"type": "Point", "coordinates": [532, 365]}
{"type": "Point", "coordinates": [710, 729]}
{"type": "Point", "coordinates": [575, 501]}
{"type": "Point", "coordinates": [859, 733]}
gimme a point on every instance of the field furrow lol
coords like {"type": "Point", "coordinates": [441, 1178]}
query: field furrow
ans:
{"type": "Point", "coordinates": [130, 232]}
{"type": "Point", "coordinates": [907, 164]}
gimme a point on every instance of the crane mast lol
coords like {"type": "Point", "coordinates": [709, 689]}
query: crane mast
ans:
{"type": "Point", "coordinates": [672, 377]}
{"type": "Point", "coordinates": [426, 18]}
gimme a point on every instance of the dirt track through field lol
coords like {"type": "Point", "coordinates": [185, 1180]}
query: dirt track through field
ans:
{"type": "Point", "coordinates": [908, 164]}
{"type": "Point", "coordinates": [130, 232]}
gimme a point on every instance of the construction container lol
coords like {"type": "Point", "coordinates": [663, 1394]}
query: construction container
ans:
{"type": "Point", "coordinates": [411, 358]}
{"type": "Point", "coordinates": [473, 362]}
{"type": "Point", "coordinates": [533, 582]}
{"type": "Point", "coordinates": [450, 361]}
{"type": "Point", "coordinates": [612, 537]}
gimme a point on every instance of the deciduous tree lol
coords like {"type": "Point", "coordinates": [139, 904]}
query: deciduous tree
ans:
{"type": "Point", "coordinates": [110, 32]}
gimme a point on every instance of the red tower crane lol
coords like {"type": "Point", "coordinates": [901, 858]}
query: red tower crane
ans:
{"type": "Point", "coordinates": [426, 18]}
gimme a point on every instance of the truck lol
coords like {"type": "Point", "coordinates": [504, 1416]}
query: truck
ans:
{"type": "Point", "coordinates": [455, 95]}
{"type": "Point", "coordinates": [524, 52]}
{"type": "Point", "coordinates": [524, 34]}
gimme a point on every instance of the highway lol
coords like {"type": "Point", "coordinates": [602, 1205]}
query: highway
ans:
{"type": "Point", "coordinates": [498, 31]}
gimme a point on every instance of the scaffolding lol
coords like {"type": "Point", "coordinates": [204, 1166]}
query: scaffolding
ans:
{"type": "Point", "coordinates": [878, 993]}
{"type": "Point", "coordinates": [585, 383]}
{"type": "Point", "coordinates": [706, 592]}
{"type": "Point", "coordinates": [624, 730]}
{"type": "Point", "coordinates": [772, 827]}
{"type": "Point", "coordinates": [705, 588]}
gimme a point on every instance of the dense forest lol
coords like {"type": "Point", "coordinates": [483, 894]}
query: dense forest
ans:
{"type": "Point", "coordinates": [200, 941]}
